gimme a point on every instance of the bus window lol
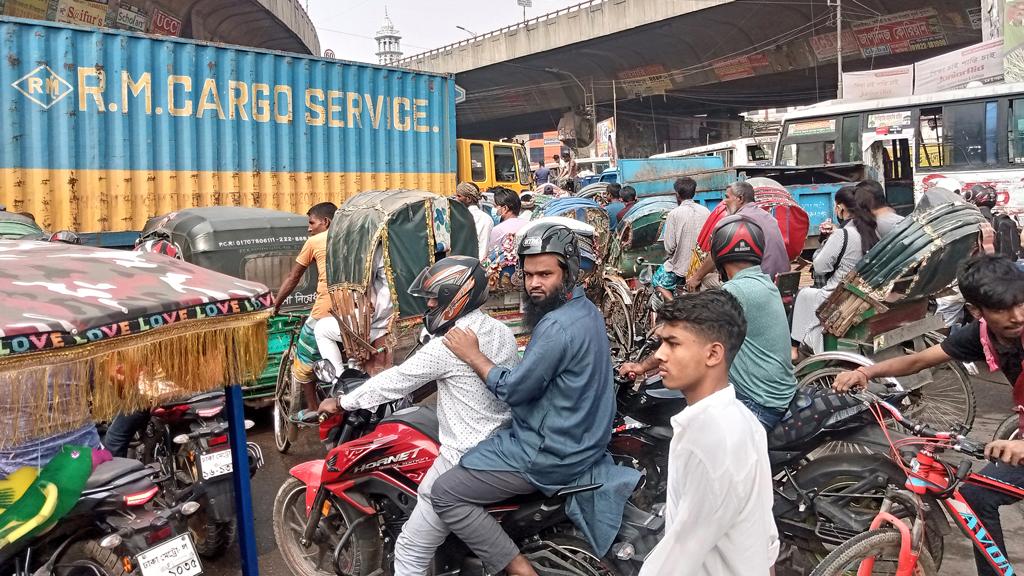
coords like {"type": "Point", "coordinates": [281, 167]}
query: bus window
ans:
{"type": "Point", "coordinates": [756, 153]}
{"type": "Point", "coordinates": [815, 153]}
{"type": "Point", "coordinates": [505, 164]}
{"type": "Point", "coordinates": [476, 162]}
{"type": "Point", "coordinates": [1016, 131]}
{"type": "Point", "coordinates": [727, 158]}
{"type": "Point", "coordinates": [957, 135]}
{"type": "Point", "coordinates": [931, 154]}
{"type": "Point", "coordinates": [851, 139]}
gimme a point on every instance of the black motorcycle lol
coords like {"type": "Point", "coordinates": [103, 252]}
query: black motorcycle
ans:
{"type": "Point", "coordinates": [821, 499]}
{"type": "Point", "coordinates": [114, 529]}
{"type": "Point", "coordinates": [189, 440]}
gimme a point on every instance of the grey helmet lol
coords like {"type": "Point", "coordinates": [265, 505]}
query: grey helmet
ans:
{"type": "Point", "coordinates": [551, 238]}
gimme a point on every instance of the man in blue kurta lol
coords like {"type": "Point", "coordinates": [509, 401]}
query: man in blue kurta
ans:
{"type": "Point", "coordinates": [562, 403]}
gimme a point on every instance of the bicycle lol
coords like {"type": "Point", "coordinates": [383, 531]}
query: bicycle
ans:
{"type": "Point", "coordinates": [893, 542]}
{"type": "Point", "coordinates": [288, 397]}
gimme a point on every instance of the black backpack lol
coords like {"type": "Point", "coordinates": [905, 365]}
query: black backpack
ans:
{"type": "Point", "coordinates": [1007, 236]}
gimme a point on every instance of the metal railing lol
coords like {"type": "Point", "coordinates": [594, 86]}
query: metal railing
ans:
{"type": "Point", "coordinates": [500, 31]}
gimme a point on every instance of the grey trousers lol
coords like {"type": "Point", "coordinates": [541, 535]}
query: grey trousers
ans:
{"type": "Point", "coordinates": [423, 532]}
{"type": "Point", "coordinates": [459, 497]}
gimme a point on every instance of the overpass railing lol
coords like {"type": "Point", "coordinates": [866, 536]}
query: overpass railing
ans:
{"type": "Point", "coordinates": [568, 9]}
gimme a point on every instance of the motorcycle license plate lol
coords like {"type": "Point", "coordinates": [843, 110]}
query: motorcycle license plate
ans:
{"type": "Point", "coordinates": [175, 557]}
{"type": "Point", "coordinates": [214, 464]}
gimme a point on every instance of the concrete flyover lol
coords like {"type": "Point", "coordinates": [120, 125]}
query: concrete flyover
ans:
{"type": "Point", "coordinates": [661, 59]}
{"type": "Point", "coordinates": [269, 24]}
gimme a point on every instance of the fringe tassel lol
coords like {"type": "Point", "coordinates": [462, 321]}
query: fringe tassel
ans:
{"type": "Point", "coordinates": [53, 392]}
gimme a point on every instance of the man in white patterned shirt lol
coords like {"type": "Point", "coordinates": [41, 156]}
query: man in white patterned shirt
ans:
{"type": "Point", "coordinates": [468, 412]}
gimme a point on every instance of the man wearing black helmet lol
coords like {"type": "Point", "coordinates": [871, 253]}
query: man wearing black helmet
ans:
{"type": "Point", "coordinates": [762, 372]}
{"type": "Point", "coordinates": [562, 405]}
{"type": "Point", "coordinates": [467, 411]}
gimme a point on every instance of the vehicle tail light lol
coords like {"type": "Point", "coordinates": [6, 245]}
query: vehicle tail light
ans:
{"type": "Point", "coordinates": [140, 498]}
{"type": "Point", "coordinates": [159, 534]}
{"type": "Point", "coordinates": [209, 412]}
{"type": "Point", "coordinates": [218, 440]}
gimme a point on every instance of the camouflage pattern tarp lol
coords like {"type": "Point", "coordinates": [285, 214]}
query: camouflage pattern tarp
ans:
{"type": "Point", "coordinates": [127, 328]}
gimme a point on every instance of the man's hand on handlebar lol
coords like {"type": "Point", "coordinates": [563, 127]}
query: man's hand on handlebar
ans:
{"type": "Point", "coordinates": [630, 370]}
{"type": "Point", "coordinates": [850, 380]}
{"type": "Point", "coordinates": [1007, 451]}
{"type": "Point", "coordinates": [328, 406]}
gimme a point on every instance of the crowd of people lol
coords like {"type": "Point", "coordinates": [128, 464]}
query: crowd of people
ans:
{"type": "Point", "coordinates": [512, 425]}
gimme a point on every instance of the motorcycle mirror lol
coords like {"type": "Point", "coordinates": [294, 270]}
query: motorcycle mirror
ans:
{"type": "Point", "coordinates": [249, 424]}
{"type": "Point", "coordinates": [188, 509]}
{"type": "Point", "coordinates": [181, 439]}
{"type": "Point", "coordinates": [424, 337]}
{"type": "Point", "coordinates": [325, 371]}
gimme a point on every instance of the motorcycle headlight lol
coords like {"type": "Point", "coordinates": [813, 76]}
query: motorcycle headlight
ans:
{"type": "Point", "coordinates": [325, 371]}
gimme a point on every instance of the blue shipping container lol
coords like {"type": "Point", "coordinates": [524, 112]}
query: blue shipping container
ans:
{"type": "Point", "coordinates": [104, 129]}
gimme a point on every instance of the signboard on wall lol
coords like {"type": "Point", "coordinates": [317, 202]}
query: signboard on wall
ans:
{"type": "Point", "coordinates": [825, 48]}
{"type": "Point", "coordinates": [82, 12]}
{"type": "Point", "coordinates": [164, 23]}
{"type": "Point", "coordinates": [36, 9]}
{"type": "Point", "coordinates": [901, 32]}
{"type": "Point", "coordinates": [978, 63]}
{"type": "Point", "coordinates": [874, 84]}
{"type": "Point", "coordinates": [740, 67]}
{"type": "Point", "coordinates": [131, 17]}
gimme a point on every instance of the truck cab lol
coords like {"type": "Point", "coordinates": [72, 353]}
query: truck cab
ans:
{"type": "Point", "coordinates": [488, 163]}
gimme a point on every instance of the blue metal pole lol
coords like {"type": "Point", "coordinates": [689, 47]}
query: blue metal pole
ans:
{"type": "Point", "coordinates": [240, 479]}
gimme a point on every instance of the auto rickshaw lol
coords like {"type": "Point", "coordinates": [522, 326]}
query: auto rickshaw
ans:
{"type": "Point", "coordinates": [404, 231]}
{"type": "Point", "coordinates": [252, 244]}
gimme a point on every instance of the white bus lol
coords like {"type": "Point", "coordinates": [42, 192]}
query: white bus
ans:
{"type": "Point", "coordinates": [974, 135]}
{"type": "Point", "coordinates": [742, 152]}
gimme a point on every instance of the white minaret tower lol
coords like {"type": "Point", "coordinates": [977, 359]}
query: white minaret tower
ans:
{"type": "Point", "coordinates": [389, 51]}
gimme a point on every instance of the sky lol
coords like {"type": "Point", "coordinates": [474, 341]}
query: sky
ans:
{"type": "Point", "coordinates": [348, 26]}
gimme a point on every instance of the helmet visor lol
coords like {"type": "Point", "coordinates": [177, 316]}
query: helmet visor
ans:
{"type": "Point", "coordinates": [417, 287]}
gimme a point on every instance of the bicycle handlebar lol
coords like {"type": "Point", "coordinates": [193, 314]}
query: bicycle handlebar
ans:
{"type": "Point", "coordinates": [962, 443]}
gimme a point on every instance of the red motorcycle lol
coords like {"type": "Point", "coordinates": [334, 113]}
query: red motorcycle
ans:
{"type": "Point", "coordinates": [342, 515]}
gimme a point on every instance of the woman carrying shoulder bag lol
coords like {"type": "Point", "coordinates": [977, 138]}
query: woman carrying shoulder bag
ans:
{"type": "Point", "coordinates": [832, 262]}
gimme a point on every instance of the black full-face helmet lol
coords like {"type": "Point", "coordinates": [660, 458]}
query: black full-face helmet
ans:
{"type": "Point", "coordinates": [460, 286]}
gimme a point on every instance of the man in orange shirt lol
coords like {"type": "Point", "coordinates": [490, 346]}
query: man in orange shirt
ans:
{"type": "Point", "coordinates": [314, 250]}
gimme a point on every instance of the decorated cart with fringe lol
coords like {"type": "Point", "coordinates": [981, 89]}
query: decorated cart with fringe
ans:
{"type": "Point", "coordinates": [882, 308]}
{"type": "Point", "coordinates": [254, 244]}
{"type": "Point", "coordinates": [89, 332]}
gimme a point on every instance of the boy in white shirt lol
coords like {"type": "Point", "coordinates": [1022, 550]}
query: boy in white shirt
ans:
{"type": "Point", "coordinates": [718, 518]}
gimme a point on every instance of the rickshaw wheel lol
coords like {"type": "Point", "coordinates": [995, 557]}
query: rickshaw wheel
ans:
{"type": "Point", "coordinates": [286, 397]}
{"type": "Point", "coordinates": [948, 399]}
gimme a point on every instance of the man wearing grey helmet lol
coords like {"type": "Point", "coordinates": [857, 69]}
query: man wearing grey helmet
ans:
{"type": "Point", "coordinates": [562, 403]}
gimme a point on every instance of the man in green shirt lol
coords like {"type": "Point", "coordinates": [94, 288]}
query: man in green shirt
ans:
{"type": "Point", "coordinates": [761, 372]}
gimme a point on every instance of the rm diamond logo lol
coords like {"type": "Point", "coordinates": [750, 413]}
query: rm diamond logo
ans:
{"type": "Point", "coordinates": [43, 86]}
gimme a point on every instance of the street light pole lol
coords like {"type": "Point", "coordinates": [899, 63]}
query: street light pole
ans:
{"type": "Point", "coordinates": [839, 47]}
{"type": "Point", "coordinates": [467, 31]}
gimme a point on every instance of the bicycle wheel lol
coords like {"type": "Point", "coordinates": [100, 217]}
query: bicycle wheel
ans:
{"type": "Point", "coordinates": [882, 544]}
